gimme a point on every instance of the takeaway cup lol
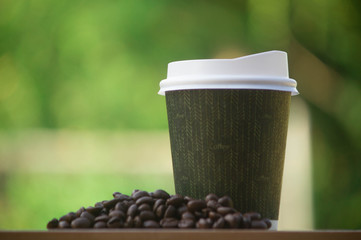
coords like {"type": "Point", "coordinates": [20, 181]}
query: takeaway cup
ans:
{"type": "Point", "coordinates": [228, 121]}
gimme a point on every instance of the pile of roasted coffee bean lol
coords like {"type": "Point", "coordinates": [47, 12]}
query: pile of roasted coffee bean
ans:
{"type": "Point", "coordinates": [158, 209]}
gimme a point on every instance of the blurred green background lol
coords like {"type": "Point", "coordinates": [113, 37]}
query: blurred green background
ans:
{"type": "Point", "coordinates": [80, 116]}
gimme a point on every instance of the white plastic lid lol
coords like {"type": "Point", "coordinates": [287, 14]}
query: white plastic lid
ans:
{"type": "Point", "coordinates": [267, 71]}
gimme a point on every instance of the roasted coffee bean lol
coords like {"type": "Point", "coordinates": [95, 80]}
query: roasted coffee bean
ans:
{"type": "Point", "coordinates": [94, 210]}
{"type": "Point", "coordinates": [79, 212]}
{"type": "Point", "coordinates": [134, 191]}
{"type": "Point", "coordinates": [239, 218]}
{"type": "Point", "coordinates": [213, 204]}
{"type": "Point", "coordinates": [102, 218]}
{"type": "Point", "coordinates": [64, 224]}
{"type": "Point", "coordinates": [196, 205]}
{"type": "Point", "coordinates": [225, 210]}
{"type": "Point", "coordinates": [129, 223]}
{"type": "Point", "coordinates": [188, 215]}
{"type": "Point", "coordinates": [268, 222]}
{"type": "Point", "coordinates": [182, 209]}
{"type": "Point", "coordinates": [100, 224]}
{"type": "Point", "coordinates": [200, 214]}
{"type": "Point", "coordinates": [128, 203]}
{"type": "Point", "coordinates": [211, 196]}
{"type": "Point", "coordinates": [169, 223]}
{"type": "Point", "coordinates": [231, 221]}
{"type": "Point", "coordinates": [81, 222]}
{"type": "Point", "coordinates": [52, 223]}
{"type": "Point", "coordinates": [160, 211]}
{"type": "Point", "coordinates": [132, 210]}
{"type": "Point", "coordinates": [151, 224]}
{"type": "Point", "coordinates": [68, 217]}
{"type": "Point", "coordinates": [117, 213]}
{"type": "Point", "coordinates": [140, 194]}
{"type": "Point", "coordinates": [99, 204]}
{"type": "Point", "coordinates": [226, 201]}
{"type": "Point", "coordinates": [203, 223]}
{"type": "Point", "coordinates": [219, 223]}
{"type": "Point", "coordinates": [137, 222]}
{"type": "Point", "coordinates": [253, 215]}
{"type": "Point", "coordinates": [206, 211]}
{"type": "Point", "coordinates": [214, 215]}
{"type": "Point", "coordinates": [89, 216]}
{"type": "Point", "coordinates": [116, 194]}
{"type": "Point", "coordinates": [246, 221]}
{"type": "Point", "coordinates": [120, 206]}
{"type": "Point", "coordinates": [147, 215]}
{"type": "Point", "coordinates": [186, 223]}
{"type": "Point", "coordinates": [160, 194]}
{"type": "Point", "coordinates": [145, 199]}
{"type": "Point", "coordinates": [175, 200]}
{"type": "Point", "coordinates": [144, 207]}
{"type": "Point", "coordinates": [187, 199]}
{"type": "Point", "coordinates": [104, 211]}
{"type": "Point", "coordinates": [157, 203]}
{"type": "Point", "coordinates": [111, 203]}
{"type": "Point", "coordinates": [259, 224]}
{"type": "Point", "coordinates": [115, 222]}
{"type": "Point", "coordinates": [170, 212]}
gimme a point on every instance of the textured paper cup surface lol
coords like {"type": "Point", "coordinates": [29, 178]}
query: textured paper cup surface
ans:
{"type": "Point", "coordinates": [230, 142]}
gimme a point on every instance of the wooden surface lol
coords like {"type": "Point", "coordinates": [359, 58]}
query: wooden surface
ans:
{"type": "Point", "coordinates": [161, 234]}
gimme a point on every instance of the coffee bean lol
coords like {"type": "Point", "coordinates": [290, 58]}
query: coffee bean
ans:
{"type": "Point", "coordinates": [117, 213]}
{"type": "Point", "coordinates": [196, 205]}
{"type": "Point", "coordinates": [120, 206]}
{"type": "Point", "coordinates": [102, 218]}
{"type": "Point", "coordinates": [151, 224]}
{"type": "Point", "coordinates": [145, 199]}
{"type": "Point", "coordinates": [89, 216]}
{"type": "Point", "coordinates": [147, 215]}
{"type": "Point", "coordinates": [214, 215]}
{"type": "Point", "coordinates": [219, 223]}
{"type": "Point", "coordinates": [182, 209]}
{"type": "Point", "coordinates": [137, 222]}
{"type": "Point", "coordinates": [259, 224]}
{"type": "Point", "coordinates": [246, 221]}
{"type": "Point", "coordinates": [121, 196]}
{"type": "Point", "coordinates": [199, 214]}
{"type": "Point", "coordinates": [231, 221]}
{"type": "Point", "coordinates": [157, 203]}
{"type": "Point", "coordinates": [64, 224]}
{"type": "Point", "coordinates": [79, 212]}
{"type": "Point", "coordinates": [140, 194]}
{"type": "Point", "coordinates": [253, 215]}
{"type": "Point", "coordinates": [203, 223]}
{"type": "Point", "coordinates": [160, 194]}
{"type": "Point", "coordinates": [170, 212]}
{"type": "Point", "coordinates": [188, 215]}
{"type": "Point", "coordinates": [186, 223]}
{"type": "Point", "coordinates": [268, 222]}
{"type": "Point", "coordinates": [211, 196]}
{"type": "Point", "coordinates": [129, 223]}
{"type": "Point", "coordinates": [160, 211]}
{"type": "Point", "coordinates": [115, 222]}
{"type": "Point", "coordinates": [99, 204]}
{"type": "Point", "coordinates": [111, 203]}
{"type": "Point", "coordinates": [175, 200]}
{"type": "Point", "coordinates": [213, 204]}
{"type": "Point", "coordinates": [144, 207]}
{"type": "Point", "coordinates": [187, 199]}
{"type": "Point", "coordinates": [52, 223]}
{"type": "Point", "coordinates": [100, 224]}
{"type": "Point", "coordinates": [94, 210]}
{"type": "Point", "coordinates": [226, 201]}
{"type": "Point", "coordinates": [225, 210]}
{"type": "Point", "coordinates": [132, 210]}
{"type": "Point", "coordinates": [81, 222]}
{"type": "Point", "coordinates": [238, 216]}
{"type": "Point", "coordinates": [169, 223]}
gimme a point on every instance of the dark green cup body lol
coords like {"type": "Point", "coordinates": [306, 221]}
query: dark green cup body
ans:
{"type": "Point", "coordinates": [230, 142]}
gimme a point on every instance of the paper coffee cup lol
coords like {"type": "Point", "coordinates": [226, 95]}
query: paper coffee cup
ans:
{"type": "Point", "coordinates": [228, 122]}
